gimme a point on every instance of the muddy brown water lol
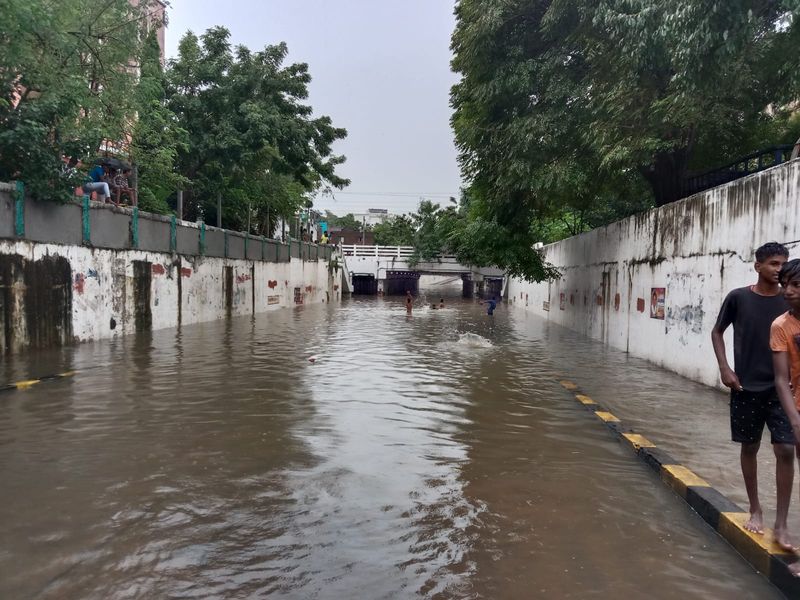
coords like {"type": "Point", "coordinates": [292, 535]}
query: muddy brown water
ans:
{"type": "Point", "coordinates": [431, 456]}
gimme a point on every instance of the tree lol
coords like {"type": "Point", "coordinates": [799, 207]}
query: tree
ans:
{"type": "Point", "coordinates": [348, 221]}
{"type": "Point", "coordinates": [397, 230]}
{"type": "Point", "coordinates": [157, 137]}
{"type": "Point", "coordinates": [580, 112]}
{"type": "Point", "coordinates": [65, 84]}
{"type": "Point", "coordinates": [251, 140]}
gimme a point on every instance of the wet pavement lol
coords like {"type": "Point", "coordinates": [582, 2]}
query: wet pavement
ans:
{"type": "Point", "coordinates": [431, 456]}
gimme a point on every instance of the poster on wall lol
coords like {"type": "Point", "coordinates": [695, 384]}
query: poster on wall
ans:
{"type": "Point", "coordinates": [562, 302]}
{"type": "Point", "coordinates": [657, 296]}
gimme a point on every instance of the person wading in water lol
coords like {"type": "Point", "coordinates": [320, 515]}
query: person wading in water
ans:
{"type": "Point", "coordinates": [409, 301]}
{"type": "Point", "coordinates": [754, 400]}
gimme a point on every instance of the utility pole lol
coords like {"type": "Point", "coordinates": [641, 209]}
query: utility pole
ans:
{"type": "Point", "coordinates": [219, 210]}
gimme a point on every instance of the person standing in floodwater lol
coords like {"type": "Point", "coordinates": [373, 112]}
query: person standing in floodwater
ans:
{"type": "Point", "coordinates": [492, 302]}
{"type": "Point", "coordinates": [754, 400]}
{"type": "Point", "coordinates": [409, 301]}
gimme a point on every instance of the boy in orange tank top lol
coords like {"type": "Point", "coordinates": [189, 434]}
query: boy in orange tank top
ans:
{"type": "Point", "coordinates": [784, 340]}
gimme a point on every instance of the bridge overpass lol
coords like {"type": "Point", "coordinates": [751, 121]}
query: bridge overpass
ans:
{"type": "Point", "coordinates": [388, 270]}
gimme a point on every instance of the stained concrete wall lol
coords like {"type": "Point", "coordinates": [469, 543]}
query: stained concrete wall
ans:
{"type": "Point", "coordinates": [183, 290]}
{"type": "Point", "coordinates": [59, 291]}
{"type": "Point", "coordinates": [695, 250]}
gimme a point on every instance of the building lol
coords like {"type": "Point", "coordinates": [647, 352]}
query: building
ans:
{"type": "Point", "coordinates": [373, 216]}
{"type": "Point", "coordinates": [155, 17]}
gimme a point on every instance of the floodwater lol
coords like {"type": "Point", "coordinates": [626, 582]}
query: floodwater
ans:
{"type": "Point", "coordinates": [426, 456]}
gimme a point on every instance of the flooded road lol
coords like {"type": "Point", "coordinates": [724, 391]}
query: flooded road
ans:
{"type": "Point", "coordinates": [432, 456]}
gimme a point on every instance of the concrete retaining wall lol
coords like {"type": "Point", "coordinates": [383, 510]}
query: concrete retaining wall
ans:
{"type": "Point", "coordinates": [652, 284]}
{"type": "Point", "coordinates": [182, 290]}
{"type": "Point", "coordinates": [55, 290]}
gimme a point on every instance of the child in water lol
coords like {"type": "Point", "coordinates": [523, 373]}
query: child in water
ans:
{"type": "Point", "coordinates": [492, 304]}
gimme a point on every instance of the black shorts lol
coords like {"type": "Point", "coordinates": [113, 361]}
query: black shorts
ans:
{"type": "Point", "coordinates": [749, 412]}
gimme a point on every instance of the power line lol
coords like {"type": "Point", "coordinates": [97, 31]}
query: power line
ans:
{"type": "Point", "coordinates": [393, 194]}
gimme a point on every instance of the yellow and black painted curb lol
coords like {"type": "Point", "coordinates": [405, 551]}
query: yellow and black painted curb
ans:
{"type": "Point", "coordinates": [28, 383]}
{"type": "Point", "coordinates": [723, 515]}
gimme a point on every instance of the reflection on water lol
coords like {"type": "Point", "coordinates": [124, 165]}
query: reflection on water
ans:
{"type": "Point", "coordinates": [431, 455]}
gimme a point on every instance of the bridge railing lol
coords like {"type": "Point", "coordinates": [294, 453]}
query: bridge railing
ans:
{"type": "Point", "coordinates": [397, 252]}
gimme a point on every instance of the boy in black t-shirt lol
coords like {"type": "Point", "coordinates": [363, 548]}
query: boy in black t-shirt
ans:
{"type": "Point", "coordinates": [754, 400]}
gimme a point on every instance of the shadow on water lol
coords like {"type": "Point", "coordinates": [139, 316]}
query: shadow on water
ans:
{"type": "Point", "coordinates": [430, 456]}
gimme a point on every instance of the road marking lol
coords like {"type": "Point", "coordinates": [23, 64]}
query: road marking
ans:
{"type": "Point", "coordinates": [584, 399]}
{"type": "Point", "coordinates": [568, 385]}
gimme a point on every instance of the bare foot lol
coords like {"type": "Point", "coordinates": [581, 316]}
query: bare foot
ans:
{"type": "Point", "coordinates": [784, 541]}
{"type": "Point", "coordinates": [755, 523]}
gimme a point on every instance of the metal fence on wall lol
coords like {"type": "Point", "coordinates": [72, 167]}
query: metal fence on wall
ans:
{"type": "Point", "coordinates": [120, 228]}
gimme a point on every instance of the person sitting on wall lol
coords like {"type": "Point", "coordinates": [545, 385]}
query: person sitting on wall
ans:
{"type": "Point", "coordinates": [96, 183]}
{"type": "Point", "coordinates": [324, 238]}
{"type": "Point", "coordinates": [754, 399]}
{"type": "Point", "coordinates": [122, 187]}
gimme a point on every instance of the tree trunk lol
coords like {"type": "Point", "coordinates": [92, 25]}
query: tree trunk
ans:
{"type": "Point", "coordinates": [665, 175]}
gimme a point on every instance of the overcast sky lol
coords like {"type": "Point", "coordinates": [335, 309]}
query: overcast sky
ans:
{"type": "Point", "coordinates": [379, 68]}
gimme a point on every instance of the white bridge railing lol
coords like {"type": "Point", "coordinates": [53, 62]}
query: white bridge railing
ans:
{"type": "Point", "coordinates": [397, 252]}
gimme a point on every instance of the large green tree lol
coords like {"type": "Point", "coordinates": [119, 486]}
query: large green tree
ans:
{"type": "Point", "coordinates": [397, 230]}
{"type": "Point", "coordinates": [252, 141]}
{"type": "Point", "coordinates": [582, 112]}
{"type": "Point", "coordinates": [347, 221]}
{"type": "Point", "coordinates": [65, 84]}
{"type": "Point", "coordinates": [157, 137]}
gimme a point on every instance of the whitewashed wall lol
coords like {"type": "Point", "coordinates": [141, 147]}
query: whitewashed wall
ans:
{"type": "Point", "coordinates": [103, 288]}
{"type": "Point", "coordinates": [698, 249]}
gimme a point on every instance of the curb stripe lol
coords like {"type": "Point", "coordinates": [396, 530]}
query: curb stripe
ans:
{"type": "Point", "coordinates": [723, 515]}
{"type": "Point", "coordinates": [686, 477]}
{"type": "Point", "coordinates": [638, 441]}
{"type": "Point", "coordinates": [29, 383]}
{"type": "Point", "coordinates": [606, 416]}
{"type": "Point", "coordinates": [24, 385]}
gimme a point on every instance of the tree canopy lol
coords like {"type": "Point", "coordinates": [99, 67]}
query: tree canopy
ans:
{"type": "Point", "coordinates": [65, 84]}
{"type": "Point", "coordinates": [397, 230]}
{"type": "Point", "coordinates": [251, 138]}
{"type": "Point", "coordinates": [221, 121]}
{"type": "Point", "coordinates": [578, 113]}
{"type": "Point", "coordinates": [157, 135]}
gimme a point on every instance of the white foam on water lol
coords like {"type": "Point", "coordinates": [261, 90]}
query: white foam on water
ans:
{"type": "Point", "coordinates": [473, 340]}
